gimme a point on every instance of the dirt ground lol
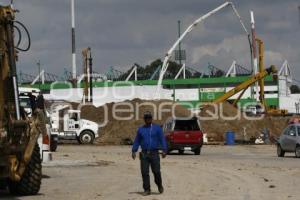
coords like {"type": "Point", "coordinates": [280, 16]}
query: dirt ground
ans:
{"type": "Point", "coordinates": [221, 172]}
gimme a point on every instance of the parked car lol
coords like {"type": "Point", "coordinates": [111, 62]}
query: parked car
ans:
{"type": "Point", "coordinates": [289, 141]}
{"type": "Point", "coordinates": [183, 134]}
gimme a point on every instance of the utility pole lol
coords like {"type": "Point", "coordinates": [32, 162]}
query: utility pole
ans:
{"type": "Point", "coordinates": [39, 72]}
{"type": "Point", "coordinates": [180, 54]}
{"type": "Point", "coordinates": [88, 75]}
{"type": "Point", "coordinates": [74, 75]}
{"type": "Point", "coordinates": [91, 75]}
{"type": "Point", "coordinates": [179, 45]}
{"type": "Point", "coordinates": [299, 13]}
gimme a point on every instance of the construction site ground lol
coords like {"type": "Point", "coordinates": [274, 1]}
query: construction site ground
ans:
{"type": "Point", "coordinates": [221, 172]}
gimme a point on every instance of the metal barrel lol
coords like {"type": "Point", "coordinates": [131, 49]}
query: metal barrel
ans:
{"type": "Point", "coordinates": [230, 137]}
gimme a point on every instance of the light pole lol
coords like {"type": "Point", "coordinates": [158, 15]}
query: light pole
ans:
{"type": "Point", "coordinates": [179, 45]}
{"type": "Point", "coordinates": [73, 40]}
{"type": "Point", "coordinates": [39, 72]}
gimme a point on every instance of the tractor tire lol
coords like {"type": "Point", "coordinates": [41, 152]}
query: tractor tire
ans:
{"type": "Point", "coordinates": [31, 180]}
{"type": "Point", "coordinates": [86, 137]}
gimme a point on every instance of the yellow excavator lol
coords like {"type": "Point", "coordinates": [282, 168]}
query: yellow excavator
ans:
{"type": "Point", "coordinates": [245, 85]}
{"type": "Point", "coordinates": [20, 160]}
{"type": "Point", "coordinates": [259, 77]}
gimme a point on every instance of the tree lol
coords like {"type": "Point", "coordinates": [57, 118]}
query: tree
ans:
{"type": "Point", "coordinates": [295, 89]}
{"type": "Point", "coordinates": [146, 72]}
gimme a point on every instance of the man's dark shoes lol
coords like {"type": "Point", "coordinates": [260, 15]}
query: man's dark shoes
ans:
{"type": "Point", "coordinates": [161, 189]}
{"type": "Point", "coordinates": [146, 192]}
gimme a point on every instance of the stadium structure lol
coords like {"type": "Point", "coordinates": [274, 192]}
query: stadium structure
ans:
{"type": "Point", "coordinates": [187, 90]}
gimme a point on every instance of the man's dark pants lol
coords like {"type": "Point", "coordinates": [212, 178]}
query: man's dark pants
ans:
{"type": "Point", "coordinates": [150, 159]}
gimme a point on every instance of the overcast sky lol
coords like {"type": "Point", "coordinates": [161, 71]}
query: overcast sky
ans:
{"type": "Point", "coordinates": [122, 32]}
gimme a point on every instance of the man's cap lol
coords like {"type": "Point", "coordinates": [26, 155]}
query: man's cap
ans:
{"type": "Point", "coordinates": [147, 115]}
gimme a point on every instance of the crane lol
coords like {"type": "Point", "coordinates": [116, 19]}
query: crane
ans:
{"type": "Point", "coordinates": [189, 29]}
{"type": "Point", "coordinates": [258, 77]}
{"type": "Point", "coordinates": [244, 86]}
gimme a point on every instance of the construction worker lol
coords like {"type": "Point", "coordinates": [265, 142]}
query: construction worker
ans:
{"type": "Point", "coordinates": [40, 113]}
{"type": "Point", "coordinates": [32, 100]}
{"type": "Point", "coordinates": [150, 137]}
{"type": "Point", "coordinates": [40, 102]}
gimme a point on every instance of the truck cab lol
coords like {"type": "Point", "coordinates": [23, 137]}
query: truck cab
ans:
{"type": "Point", "coordinates": [183, 134]}
{"type": "Point", "coordinates": [254, 110]}
{"type": "Point", "coordinates": [68, 125]}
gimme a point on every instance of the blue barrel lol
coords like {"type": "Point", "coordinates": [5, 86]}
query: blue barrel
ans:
{"type": "Point", "coordinates": [230, 136]}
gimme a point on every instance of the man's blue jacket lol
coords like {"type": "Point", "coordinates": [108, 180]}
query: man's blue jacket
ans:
{"type": "Point", "coordinates": [151, 138]}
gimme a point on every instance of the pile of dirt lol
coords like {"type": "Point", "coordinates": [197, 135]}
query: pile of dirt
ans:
{"type": "Point", "coordinates": [122, 131]}
{"type": "Point", "coordinates": [240, 124]}
{"type": "Point", "coordinates": [116, 131]}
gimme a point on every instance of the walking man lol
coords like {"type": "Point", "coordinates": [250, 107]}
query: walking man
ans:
{"type": "Point", "coordinates": [150, 137]}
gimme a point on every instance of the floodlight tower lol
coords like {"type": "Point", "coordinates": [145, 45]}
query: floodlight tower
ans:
{"type": "Point", "coordinates": [73, 40]}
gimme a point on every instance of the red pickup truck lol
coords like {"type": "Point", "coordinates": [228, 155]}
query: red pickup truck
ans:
{"type": "Point", "coordinates": [183, 134]}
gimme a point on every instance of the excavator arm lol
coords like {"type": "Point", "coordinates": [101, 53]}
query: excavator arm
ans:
{"type": "Point", "coordinates": [257, 77]}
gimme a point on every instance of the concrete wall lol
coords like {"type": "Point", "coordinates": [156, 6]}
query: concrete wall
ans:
{"type": "Point", "coordinates": [105, 95]}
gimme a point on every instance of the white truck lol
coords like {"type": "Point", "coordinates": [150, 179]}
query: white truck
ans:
{"type": "Point", "coordinates": [68, 125]}
{"type": "Point", "coordinates": [254, 110]}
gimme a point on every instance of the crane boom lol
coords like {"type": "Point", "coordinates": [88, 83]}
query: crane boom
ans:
{"type": "Point", "coordinates": [189, 29]}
